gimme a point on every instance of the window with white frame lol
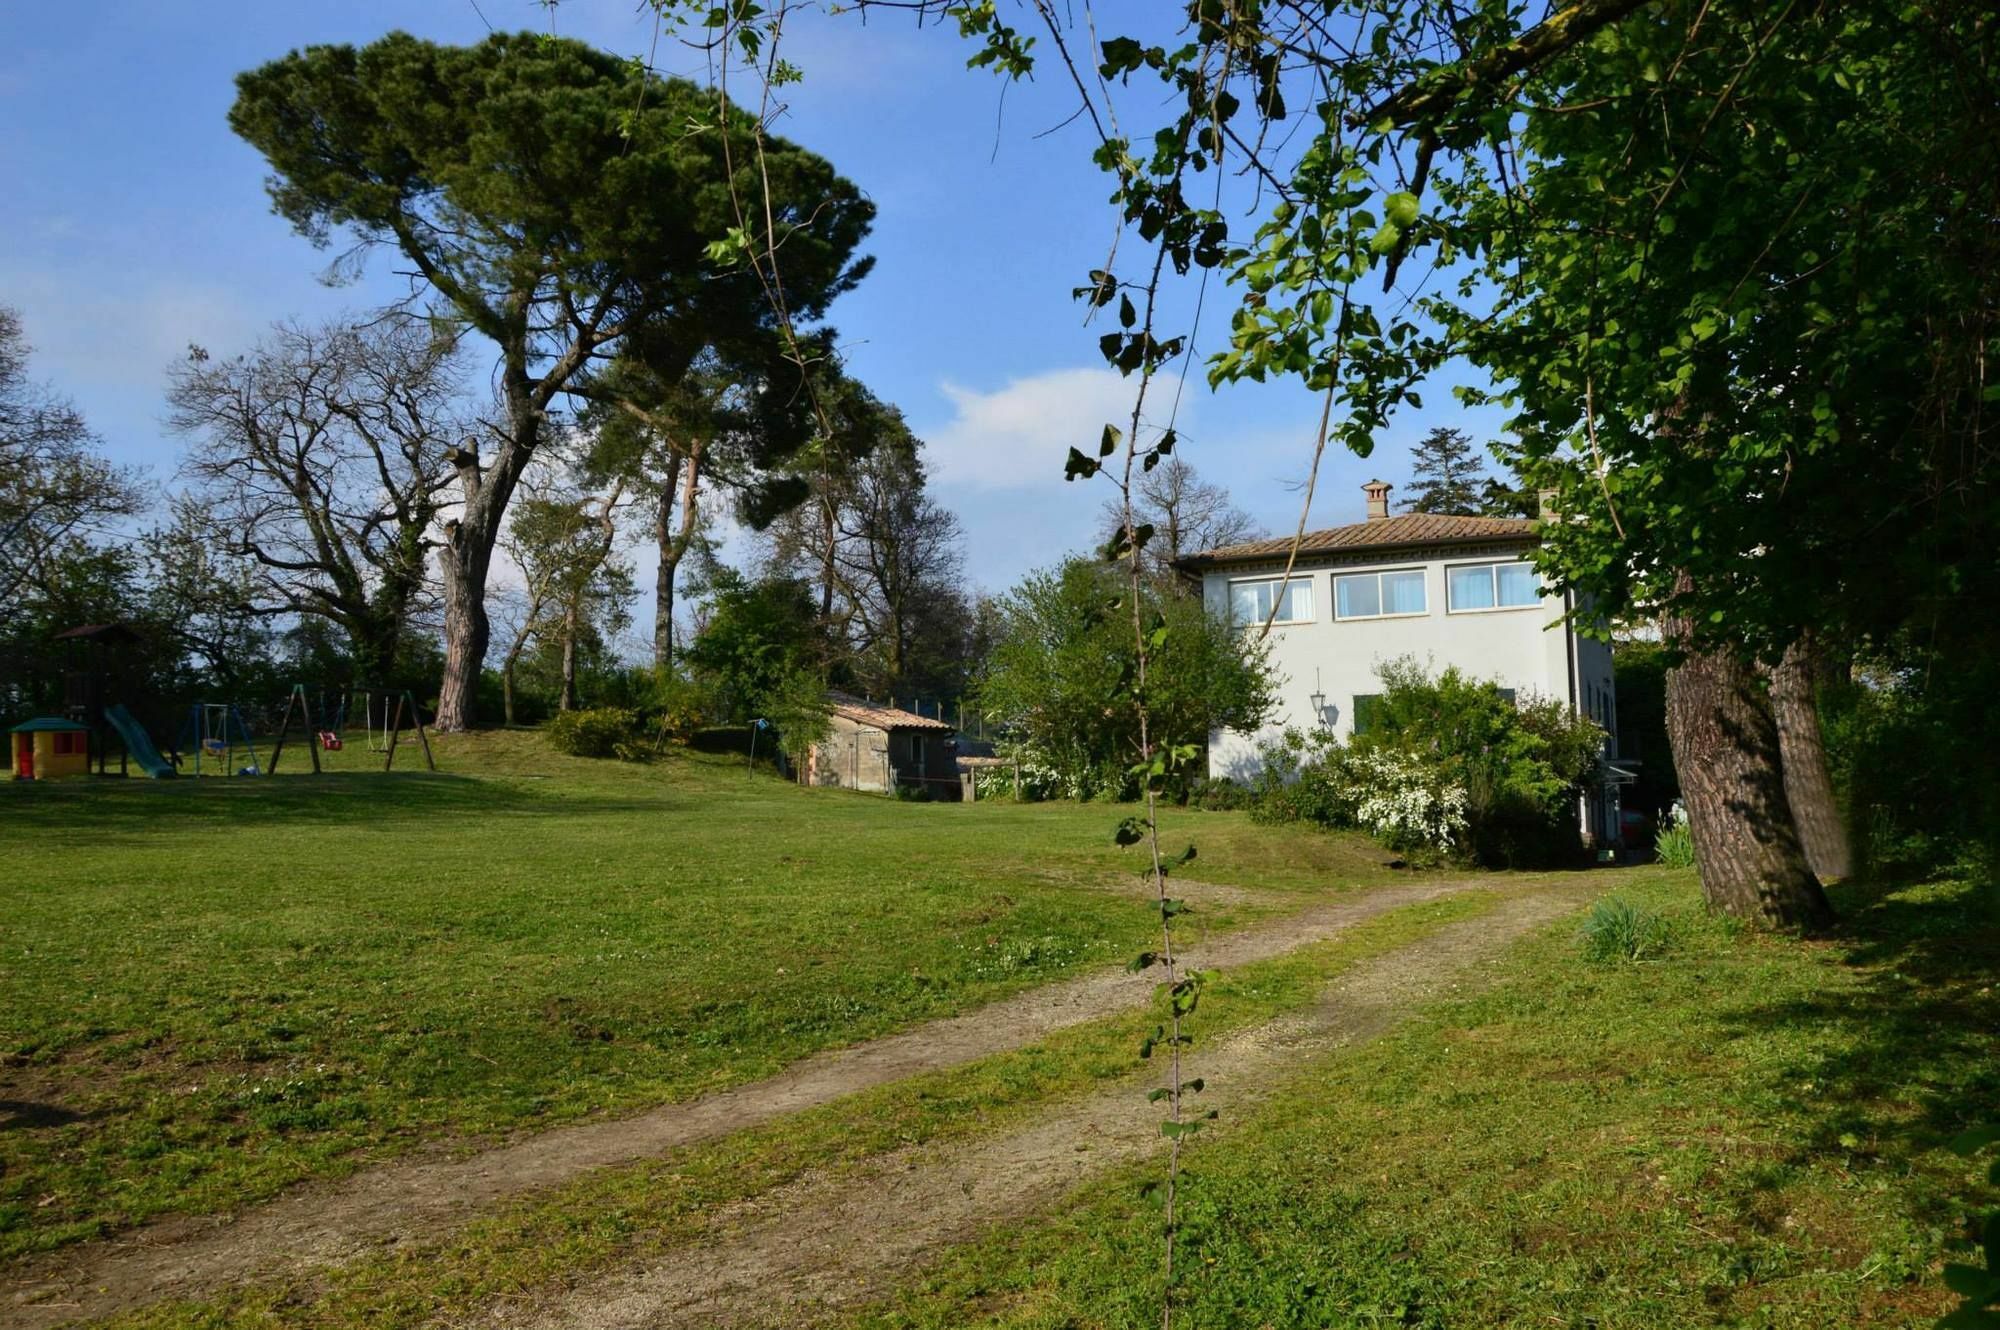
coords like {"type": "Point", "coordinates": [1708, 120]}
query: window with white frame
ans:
{"type": "Point", "coordinates": [1379, 595]}
{"type": "Point", "coordinates": [1491, 586]}
{"type": "Point", "coordinates": [1252, 602]}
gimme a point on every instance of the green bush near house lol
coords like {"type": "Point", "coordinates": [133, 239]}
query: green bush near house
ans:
{"type": "Point", "coordinates": [1447, 765]}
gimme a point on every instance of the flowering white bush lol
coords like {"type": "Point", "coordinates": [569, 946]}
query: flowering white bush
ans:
{"type": "Point", "coordinates": [1406, 804]}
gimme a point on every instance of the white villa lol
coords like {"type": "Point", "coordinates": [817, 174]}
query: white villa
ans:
{"type": "Point", "coordinates": [1445, 590]}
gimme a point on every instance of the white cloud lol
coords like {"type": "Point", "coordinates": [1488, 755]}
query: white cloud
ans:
{"type": "Point", "coordinates": [1017, 436]}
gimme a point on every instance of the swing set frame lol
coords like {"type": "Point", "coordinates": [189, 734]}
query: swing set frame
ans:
{"type": "Point", "coordinates": [298, 703]}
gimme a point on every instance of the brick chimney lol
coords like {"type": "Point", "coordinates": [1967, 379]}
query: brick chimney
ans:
{"type": "Point", "coordinates": [1378, 499]}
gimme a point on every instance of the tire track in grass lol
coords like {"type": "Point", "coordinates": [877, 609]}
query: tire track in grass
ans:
{"type": "Point", "coordinates": [812, 1248]}
{"type": "Point", "coordinates": [327, 1223]}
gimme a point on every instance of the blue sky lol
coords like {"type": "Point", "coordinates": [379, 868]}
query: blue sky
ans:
{"type": "Point", "coordinates": [136, 223]}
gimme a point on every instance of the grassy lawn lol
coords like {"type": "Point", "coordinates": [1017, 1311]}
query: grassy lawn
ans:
{"type": "Point", "coordinates": [646, 1211]}
{"type": "Point", "coordinates": [211, 989]}
{"type": "Point", "coordinates": [1747, 1132]}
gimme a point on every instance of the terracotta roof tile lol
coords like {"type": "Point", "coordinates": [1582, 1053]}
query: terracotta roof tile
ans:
{"type": "Point", "coordinates": [1382, 533]}
{"type": "Point", "coordinates": [882, 718]}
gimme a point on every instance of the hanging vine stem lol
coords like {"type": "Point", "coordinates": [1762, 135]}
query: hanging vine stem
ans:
{"type": "Point", "coordinates": [1157, 203]}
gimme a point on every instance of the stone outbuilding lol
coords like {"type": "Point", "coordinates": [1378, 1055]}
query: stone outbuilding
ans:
{"type": "Point", "coordinates": [878, 748]}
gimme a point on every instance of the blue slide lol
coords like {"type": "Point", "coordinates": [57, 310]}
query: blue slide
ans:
{"type": "Point", "coordinates": [137, 745]}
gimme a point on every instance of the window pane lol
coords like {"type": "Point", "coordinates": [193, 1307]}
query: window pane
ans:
{"type": "Point", "coordinates": [1298, 601]}
{"type": "Point", "coordinates": [1518, 584]}
{"type": "Point", "coordinates": [1470, 588]}
{"type": "Point", "coordinates": [1364, 711]}
{"type": "Point", "coordinates": [1403, 593]}
{"type": "Point", "coordinates": [1243, 602]}
{"type": "Point", "coordinates": [1357, 597]}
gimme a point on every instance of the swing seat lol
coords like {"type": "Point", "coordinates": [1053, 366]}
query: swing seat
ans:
{"type": "Point", "coordinates": [329, 741]}
{"type": "Point", "coordinates": [214, 747]}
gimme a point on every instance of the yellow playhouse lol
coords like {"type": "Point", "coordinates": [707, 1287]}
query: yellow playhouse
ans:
{"type": "Point", "coordinates": [50, 748]}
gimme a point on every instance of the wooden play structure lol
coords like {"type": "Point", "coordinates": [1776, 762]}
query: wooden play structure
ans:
{"type": "Point", "coordinates": [50, 748]}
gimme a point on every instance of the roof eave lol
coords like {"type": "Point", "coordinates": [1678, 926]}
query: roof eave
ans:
{"type": "Point", "coordinates": [1197, 563]}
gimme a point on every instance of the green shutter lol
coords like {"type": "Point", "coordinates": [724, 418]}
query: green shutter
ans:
{"type": "Point", "coordinates": [1364, 711]}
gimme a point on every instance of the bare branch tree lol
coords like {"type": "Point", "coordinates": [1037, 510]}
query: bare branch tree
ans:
{"type": "Point", "coordinates": [322, 457]}
{"type": "Point", "coordinates": [53, 483]}
{"type": "Point", "coordinates": [1187, 514]}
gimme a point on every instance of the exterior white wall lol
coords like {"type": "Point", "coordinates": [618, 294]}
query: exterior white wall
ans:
{"type": "Point", "coordinates": [1526, 648]}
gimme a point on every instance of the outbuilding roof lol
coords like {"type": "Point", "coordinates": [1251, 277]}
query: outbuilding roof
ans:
{"type": "Point", "coordinates": [1401, 532]}
{"type": "Point", "coordinates": [864, 712]}
{"type": "Point", "coordinates": [44, 724]}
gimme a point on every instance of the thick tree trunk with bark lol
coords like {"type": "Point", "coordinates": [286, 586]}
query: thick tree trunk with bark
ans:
{"type": "Point", "coordinates": [465, 559]}
{"type": "Point", "coordinates": [468, 554]}
{"type": "Point", "coordinates": [1808, 782]}
{"type": "Point", "coordinates": [1726, 755]}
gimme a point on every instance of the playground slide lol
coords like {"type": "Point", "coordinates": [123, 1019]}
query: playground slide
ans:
{"type": "Point", "coordinates": [137, 744]}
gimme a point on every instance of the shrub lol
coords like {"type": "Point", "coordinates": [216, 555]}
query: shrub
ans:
{"type": "Point", "coordinates": [1522, 763]}
{"type": "Point", "coordinates": [1409, 805]}
{"type": "Point", "coordinates": [681, 706]}
{"type": "Point", "coordinates": [1618, 931]}
{"type": "Point", "coordinates": [1218, 794]}
{"type": "Point", "coordinates": [1675, 844]}
{"type": "Point", "coordinates": [1448, 766]}
{"type": "Point", "coordinates": [595, 733]}
{"type": "Point", "coordinates": [1303, 776]}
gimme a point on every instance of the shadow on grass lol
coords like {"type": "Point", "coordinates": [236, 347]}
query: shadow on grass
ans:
{"type": "Point", "coordinates": [1912, 1056]}
{"type": "Point", "coordinates": [119, 808]}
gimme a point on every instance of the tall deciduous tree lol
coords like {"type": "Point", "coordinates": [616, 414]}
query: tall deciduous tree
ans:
{"type": "Point", "coordinates": [322, 458]}
{"type": "Point", "coordinates": [564, 543]}
{"type": "Point", "coordinates": [1187, 513]}
{"type": "Point", "coordinates": [558, 202]}
{"type": "Point", "coordinates": [54, 485]}
{"type": "Point", "coordinates": [886, 557]}
{"type": "Point", "coordinates": [728, 425]}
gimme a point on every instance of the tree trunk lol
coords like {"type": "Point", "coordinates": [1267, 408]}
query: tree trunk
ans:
{"type": "Point", "coordinates": [665, 570]}
{"type": "Point", "coordinates": [1727, 758]}
{"type": "Point", "coordinates": [466, 630]}
{"type": "Point", "coordinates": [1808, 783]}
{"type": "Point", "coordinates": [468, 554]}
{"type": "Point", "coordinates": [376, 644]}
{"type": "Point", "coordinates": [674, 545]}
{"type": "Point", "coordinates": [566, 699]}
{"type": "Point", "coordinates": [507, 692]}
